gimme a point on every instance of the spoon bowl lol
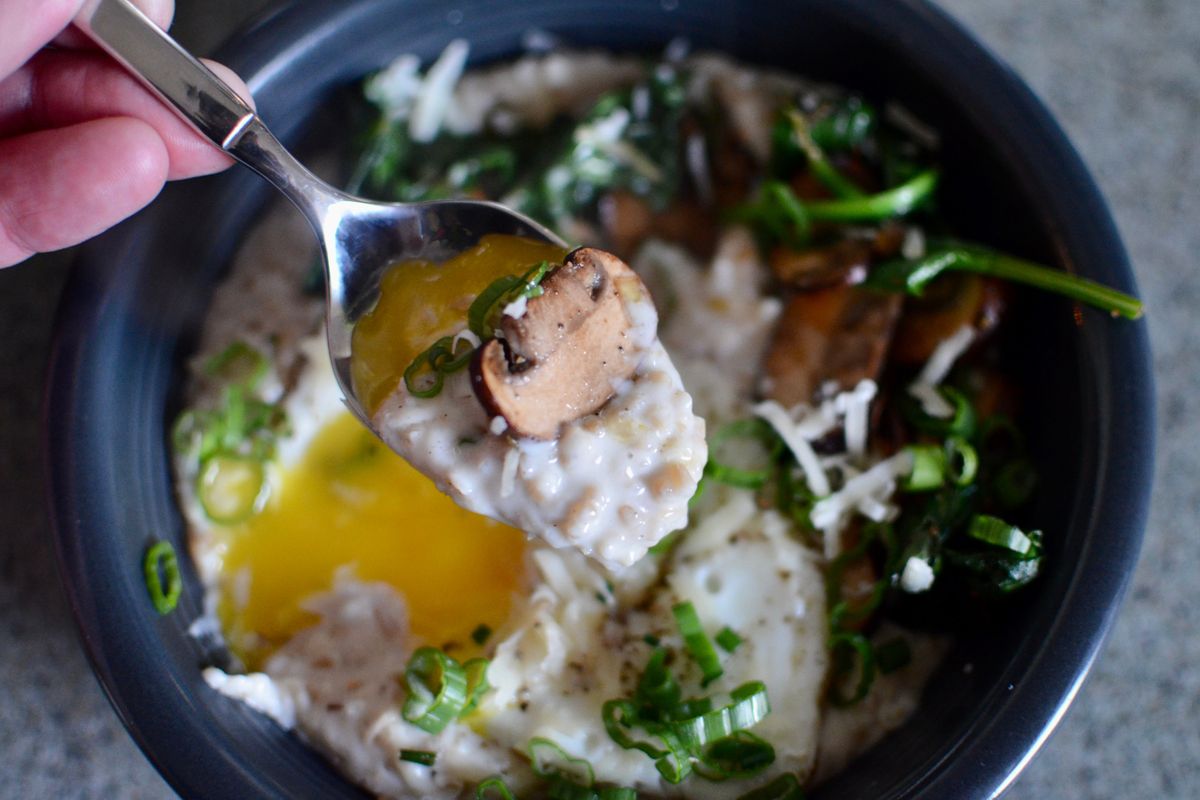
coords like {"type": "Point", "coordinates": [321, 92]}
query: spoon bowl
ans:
{"type": "Point", "coordinates": [359, 239]}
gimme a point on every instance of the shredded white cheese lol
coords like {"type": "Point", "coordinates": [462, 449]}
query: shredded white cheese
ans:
{"type": "Point", "coordinates": [871, 489]}
{"type": "Point", "coordinates": [778, 418]}
{"type": "Point", "coordinates": [917, 575]}
{"type": "Point", "coordinates": [855, 405]}
{"type": "Point", "coordinates": [924, 388]}
{"type": "Point", "coordinates": [433, 99]}
{"type": "Point", "coordinates": [516, 309]}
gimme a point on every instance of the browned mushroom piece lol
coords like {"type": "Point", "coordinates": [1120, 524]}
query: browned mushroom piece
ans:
{"type": "Point", "coordinates": [837, 334]}
{"type": "Point", "coordinates": [842, 262]}
{"type": "Point", "coordinates": [951, 302]}
{"type": "Point", "coordinates": [565, 355]}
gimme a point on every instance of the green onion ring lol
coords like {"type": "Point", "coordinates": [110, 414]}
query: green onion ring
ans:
{"type": "Point", "coordinates": [866, 656]}
{"type": "Point", "coordinates": [477, 683]}
{"type": "Point", "coordinates": [962, 462]}
{"type": "Point", "coordinates": [738, 755]}
{"type": "Point", "coordinates": [422, 757]}
{"type": "Point", "coordinates": [749, 706]}
{"type": "Point", "coordinates": [494, 787]}
{"type": "Point", "coordinates": [657, 688]}
{"type": "Point", "coordinates": [548, 760]}
{"type": "Point", "coordinates": [698, 643]}
{"type": "Point", "coordinates": [785, 787]}
{"type": "Point", "coordinates": [620, 714]}
{"type": "Point", "coordinates": [996, 531]}
{"type": "Point", "coordinates": [928, 470]}
{"type": "Point", "coordinates": [161, 562]}
{"type": "Point", "coordinates": [744, 478]}
{"type": "Point", "coordinates": [437, 689]}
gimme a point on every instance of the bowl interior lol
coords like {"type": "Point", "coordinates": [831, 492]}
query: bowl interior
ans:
{"type": "Point", "coordinates": [137, 300]}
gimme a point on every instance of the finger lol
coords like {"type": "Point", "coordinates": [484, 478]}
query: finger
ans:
{"type": "Point", "coordinates": [26, 26]}
{"type": "Point", "coordinates": [60, 187]}
{"type": "Point", "coordinates": [160, 12]}
{"type": "Point", "coordinates": [57, 89]}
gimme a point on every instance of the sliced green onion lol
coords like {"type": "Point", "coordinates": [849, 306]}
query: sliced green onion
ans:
{"type": "Point", "coordinates": [785, 787]}
{"type": "Point", "coordinates": [962, 462]}
{"type": "Point", "coordinates": [892, 655]}
{"type": "Point", "coordinates": [437, 689]}
{"type": "Point", "coordinates": [963, 423]}
{"type": "Point", "coordinates": [159, 563]}
{"type": "Point", "coordinates": [817, 162]}
{"type": "Point", "coordinates": [422, 757]}
{"type": "Point", "coordinates": [728, 640]}
{"type": "Point", "coordinates": [1014, 483]}
{"type": "Point", "coordinates": [753, 429]}
{"type": "Point", "coordinates": [778, 214]}
{"type": "Point", "coordinates": [485, 310]}
{"type": "Point", "coordinates": [749, 706]}
{"type": "Point", "coordinates": [896, 202]}
{"type": "Point", "coordinates": [739, 755]}
{"type": "Point", "coordinates": [548, 760]}
{"type": "Point", "coordinates": [231, 488]}
{"type": "Point", "coordinates": [617, 793]}
{"type": "Point", "coordinates": [698, 643]}
{"type": "Point", "coordinates": [494, 787]}
{"type": "Point", "coordinates": [657, 688]}
{"type": "Point", "coordinates": [434, 364]}
{"type": "Point", "coordinates": [477, 683]}
{"type": "Point", "coordinates": [929, 468]}
{"type": "Point", "coordinates": [846, 643]}
{"type": "Point", "coordinates": [239, 363]}
{"type": "Point", "coordinates": [481, 634]}
{"type": "Point", "coordinates": [912, 276]}
{"type": "Point", "coordinates": [618, 715]}
{"type": "Point", "coordinates": [677, 763]}
{"type": "Point", "coordinates": [433, 383]}
{"type": "Point", "coordinates": [996, 531]}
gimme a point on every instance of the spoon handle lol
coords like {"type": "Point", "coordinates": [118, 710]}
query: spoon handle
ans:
{"type": "Point", "coordinates": [201, 98]}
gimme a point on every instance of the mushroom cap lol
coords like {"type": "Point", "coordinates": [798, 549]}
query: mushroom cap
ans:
{"type": "Point", "coordinates": [569, 352]}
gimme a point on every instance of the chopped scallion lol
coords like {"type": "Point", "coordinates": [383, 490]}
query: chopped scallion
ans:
{"type": "Point", "coordinates": [749, 706]}
{"type": "Point", "coordinates": [962, 462]}
{"type": "Point", "coordinates": [738, 755]}
{"type": "Point", "coordinates": [752, 430]}
{"type": "Point", "coordinates": [422, 757]}
{"type": "Point", "coordinates": [437, 689]}
{"type": "Point", "coordinates": [160, 563]}
{"type": "Point", "coordinates": [548, 760]}
{"type": "Point", "coordinates": [231, 488]}
{"type": "Point", "coordinates": [697, 641]}
{"type": "Point", "coordinates": [785, 787]}
{"type": "Point", "coordinates": [852, 652]}
{"type": "Point", "coordinates": [897, 202]}
{"type": "Point", "coordinates": [728, 640]}
{"type": "Point", "coordinates": [494, 788]}
{"type": "Point", "coordinates": [929, 468]}
{"type": "Point", "coordinates": [996, 531]}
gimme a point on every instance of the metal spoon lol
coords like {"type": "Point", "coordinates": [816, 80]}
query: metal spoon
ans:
{"type": "Point", "coordinates": [360, 239]}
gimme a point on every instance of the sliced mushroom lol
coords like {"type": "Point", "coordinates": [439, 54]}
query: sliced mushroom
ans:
{"type": "Point", "coordinates": [846, 261]}
{"type": "Point", "coordinates": [951, 302]}
{"type": "Point", "coordinates": [566, 355]}
{"type": "Point", "coordinates": [837, 334]}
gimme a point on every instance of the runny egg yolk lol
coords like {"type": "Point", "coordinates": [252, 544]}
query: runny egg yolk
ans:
{"type": "Point", "coordinates": [349, 501]}
{"type": "Point", "coordinates": [420, 301]}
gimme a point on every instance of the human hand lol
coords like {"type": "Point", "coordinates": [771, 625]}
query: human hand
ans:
{"type": "Point", "coordinates": [82, 144]}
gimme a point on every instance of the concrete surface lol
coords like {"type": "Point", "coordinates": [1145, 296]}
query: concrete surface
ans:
{"type": "Point", "coordinates": [1124, 78]}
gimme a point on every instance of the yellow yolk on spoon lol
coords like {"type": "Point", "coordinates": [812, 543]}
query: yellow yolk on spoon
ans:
{"type": "Point", "coordinates": [349, 501]}
{"type": "Point", "coordinates": [420, 301]}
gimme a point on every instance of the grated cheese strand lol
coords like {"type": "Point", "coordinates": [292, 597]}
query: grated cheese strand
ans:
{"type": "Point", "coordinates": [779, 419]}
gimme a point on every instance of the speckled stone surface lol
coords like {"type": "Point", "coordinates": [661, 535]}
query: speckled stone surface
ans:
{"type": "Point", "coordinates": [1123, 76]}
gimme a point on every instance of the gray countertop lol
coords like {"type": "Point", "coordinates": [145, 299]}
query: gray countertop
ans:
{"type": "Point", "coordinates": [1123, 76]}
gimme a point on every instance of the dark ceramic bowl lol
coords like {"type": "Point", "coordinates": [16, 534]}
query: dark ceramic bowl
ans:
{"type": "Point", "coordinates": [136, 299]}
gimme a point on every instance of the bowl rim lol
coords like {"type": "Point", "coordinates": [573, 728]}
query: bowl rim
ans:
{"type": "Point", "coordinates": [999, 748]}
